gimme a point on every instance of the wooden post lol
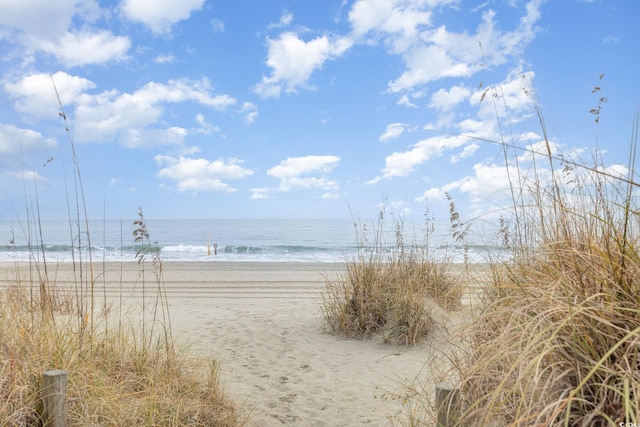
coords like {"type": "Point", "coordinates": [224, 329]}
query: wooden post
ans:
{"type": "Point", "coordinates": [447, 405]}
{"type": "Point", "coordinates": [54, 398]}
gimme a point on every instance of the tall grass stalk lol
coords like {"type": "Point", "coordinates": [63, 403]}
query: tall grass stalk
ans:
{"type": "Point", "coordinates": [558, 340]}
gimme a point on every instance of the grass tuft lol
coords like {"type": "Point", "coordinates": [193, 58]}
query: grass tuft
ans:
{"type": "Point", "coordinates": [389, 292]}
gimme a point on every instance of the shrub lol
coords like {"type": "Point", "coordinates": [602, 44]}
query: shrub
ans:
{"type": "Point", "coordinates": [389, 292]}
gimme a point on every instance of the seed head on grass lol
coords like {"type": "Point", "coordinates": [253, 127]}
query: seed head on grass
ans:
{"type": "Point", "coordinates": [558, 340]}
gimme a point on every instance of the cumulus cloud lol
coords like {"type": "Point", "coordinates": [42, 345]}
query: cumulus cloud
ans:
{"type": "Point", "coordinates": [112, 115]}
{"type": "Point", "coordinates": [205, 128]}
{"type": "Point", "coordinates": [160, 15]}
{"type": "Point", "coordinates": [250, 111]}
{"type": "Point", "coordinates": [446, 100]}
{"type": "Point", "coordinates": [397, 22]}
{"type": "Point", "coordinates": [285, 20]}
{"type": "Point", "coordinates": [82, 48]}
{"type": "Point", "coordinates": [305, 172]}
{"type": "Point", "coordinates": [293, 60]}
{"type": "Point", "coordinates": [435, 53]}
{"type": "Point", "coordinates": [165, 58]}
{"type": "Point", "coordinates": [394, 130]}
{"type": "Point", "coordinates": [196, 175]}
{"type": "Point", "coordinates": [35, 96]}
{"type": "Point", "coordinates": [402, 163]}
{"type": "Point", "coordinates": [488, 186]}
{"type": "Point", "coordinates": [260, 193]}
{"type": "Point", "coordinates": [46, 19]}
{"type": "Point", "coordinates": [48, 27]}
{"type": "Point", "coordinates": [15, 141]}
{"type": "Point", "coordinates": [508, 99]}
{"type": "Point", "coordinates": [16, 144]}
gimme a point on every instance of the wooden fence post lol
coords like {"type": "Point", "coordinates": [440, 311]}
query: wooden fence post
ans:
{"type": "Point", "coordinates": [448, 405]}
{"type": "Point", "coordinates": [54, 398]}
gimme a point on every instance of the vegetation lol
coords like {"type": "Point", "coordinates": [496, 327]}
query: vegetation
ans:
{"type": "Point", "coordinates": [554, 339]}
{"type": "Point", "coordinates": [119, 373]}
{"type": "Point", "coordinates": [564, 311]}
{"type": "Point", "coordinates": [389, 291]}
{"type": "Point", "coordinates": [124, 366]}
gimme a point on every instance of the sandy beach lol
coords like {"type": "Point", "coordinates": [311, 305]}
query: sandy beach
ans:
{"type": "Point", "coordinates": [262, 321]}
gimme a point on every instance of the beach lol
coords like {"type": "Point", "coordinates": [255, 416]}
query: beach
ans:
{"type": "Point", "coordinates": [262, 322]}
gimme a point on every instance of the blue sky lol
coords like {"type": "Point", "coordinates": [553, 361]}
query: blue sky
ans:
{"type": "Point", "coordinates": [291, 108]}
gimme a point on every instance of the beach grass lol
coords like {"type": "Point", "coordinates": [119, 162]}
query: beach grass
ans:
{"type": "Point", "coordinates": [554, 337]}
{"type": "Point", "coordinates": [113, 380]}
{"type": "Point", "coordinates": [557, 341]}
{"type": "Point", "coordinates": [124, 367]}
{"type": "Point", "coordinates": [389, 291]}
{"type": "Point", "coordinates": [564, 313]}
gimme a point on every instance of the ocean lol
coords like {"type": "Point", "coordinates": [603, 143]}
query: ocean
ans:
{"type": "Point", "coordinates": [253, 240]}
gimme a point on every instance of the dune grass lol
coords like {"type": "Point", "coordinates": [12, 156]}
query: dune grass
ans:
{"type": "Point", "coordinates": [554, 339]}
{"type": "Point", "coordinates": [557, 342]}
{"type": "Point", "coordinates": [388, 291]}
{"type": "Point", "coordinates": [564, 314]}
{"type": "Point", "coordinates": [124, 366]}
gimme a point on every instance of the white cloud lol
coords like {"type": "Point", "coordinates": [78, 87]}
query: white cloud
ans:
{"type": "Point", "coordinates": [19, 149]}
{"type": "Point", "coordinates": [509, 98]}
{"type": "Point", "coordinates": [446, 100]}
{"type": "Point", "coordinates": [44, 19]}
{"type": "Point", "coordinates": [397, 22]}
{"type": "Point", "coordinates": [111, 115]}
{"type": "Point", "coordinates": [403, 163]}
{"type": "Point", "coordinates": [45, 26]}
{"type": "Point", "coordinates": [260, 193]}
{"type": "Point", "coordinates": [250, 111]}
{"type": "Point", "coordinates": [195, 175]}
{"type": "Point", "coordinates": [394, 130]}
{"type": "Point", "coordinates": [205, 128]}
{"type": "Point", "coordinates": [160, 15]}
{"type": "Point", "coordinates": [426, 64]}
{"type": "Point", "coordinates": [406, 101]}
{"type": "Point", "coordinates": [35, 95]}
{"type": "Point", "coordinates": [442, 53]}
{"type": "Point", "coordinates": [217, 25]}
{"type": "Point", "coordinates": [144, 138]}
{"type": "Point", "coordinates": [82, 48]}
{"type": "Point", "coordinates": [298, 172]}
{"type": "Point", "coordinates": [165, 58]}
{"type": "Point", "coordinates": [488, 187]}
{"type": "Point", "coordinates": [15, 141]}
{"type": "Point", "coordinates": [293, 60]}
{"type": "Point", "coordinates": [285, 20]}
{"type": "Point", "coordinates": [331, 196]}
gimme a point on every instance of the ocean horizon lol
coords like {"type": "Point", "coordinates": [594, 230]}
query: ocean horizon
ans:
{"type": "Point", "coordinates": [246, 240]}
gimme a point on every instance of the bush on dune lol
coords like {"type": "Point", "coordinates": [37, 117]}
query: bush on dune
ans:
{"type": "Point", "coordinates": [389, 291]}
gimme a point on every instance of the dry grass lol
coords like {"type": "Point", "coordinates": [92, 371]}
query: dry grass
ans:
{"type": "Point", "coordinates": [124, 366]}
{"type": "Point", "coordinates": [113, 379]}
{"type": "Point", "coordinates": [558, 340]}
{"type": "Point", "coordinates": [389, 292]}
{"type": "Point", "coordinates": [555, 340]}
{"type": "Point", "coordinates": [567, 322]}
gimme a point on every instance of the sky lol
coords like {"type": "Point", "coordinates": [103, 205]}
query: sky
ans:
{"type": "Point", "coordinates": [303, 108]}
